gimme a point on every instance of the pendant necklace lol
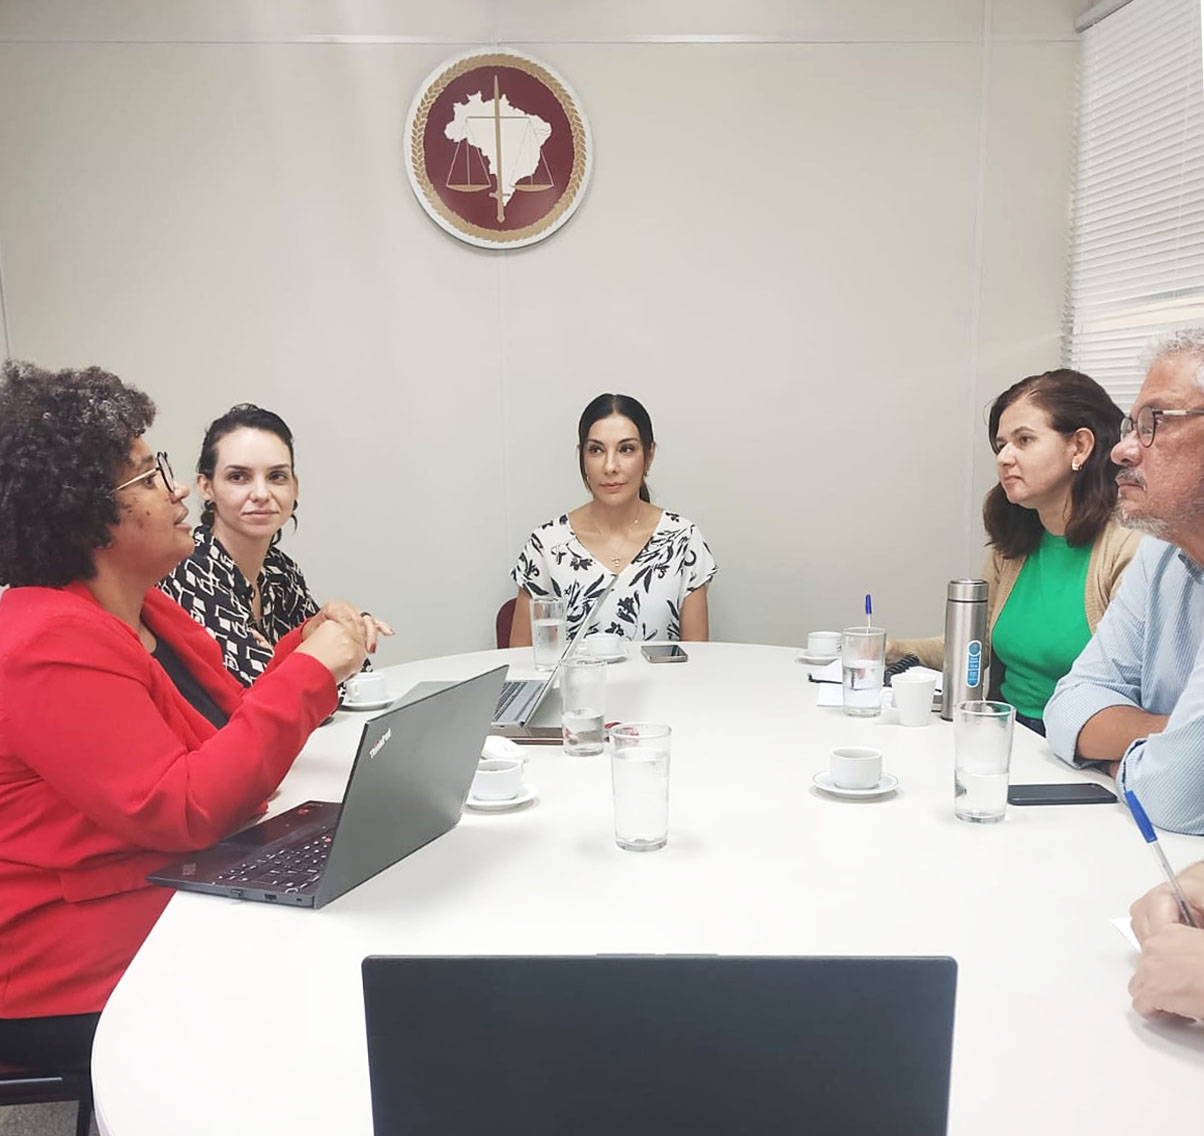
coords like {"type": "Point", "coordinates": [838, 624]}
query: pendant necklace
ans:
{"type": "Point", "coordinates": [630, 529]}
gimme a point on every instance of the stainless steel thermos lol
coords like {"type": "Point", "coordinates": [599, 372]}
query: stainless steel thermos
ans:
{"type": "Point", "coordinates": [967, 651]}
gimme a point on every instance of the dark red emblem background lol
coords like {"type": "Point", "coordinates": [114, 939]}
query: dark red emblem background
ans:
{"type": "Point", "coordinates": [526, 93]}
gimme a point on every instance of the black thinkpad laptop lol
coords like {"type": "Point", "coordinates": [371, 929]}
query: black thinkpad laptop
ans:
{"type": "Point", "coordinates": [412, 771]}
{"type": "Point", "coordinates": [710, 1046]}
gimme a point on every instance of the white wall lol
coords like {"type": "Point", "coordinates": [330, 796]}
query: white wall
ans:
{"type": "Point", "coordinates": [815, 247]}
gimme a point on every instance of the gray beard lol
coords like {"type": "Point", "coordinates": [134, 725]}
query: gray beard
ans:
{"type": "Point", "coordinates": [1189, 521]}
{"type": "Point", "coordinates": [1155, 526]}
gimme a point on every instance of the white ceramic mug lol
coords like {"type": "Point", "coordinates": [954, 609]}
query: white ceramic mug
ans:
{"type": "Point", "coordinates": [821, 643]}
{"type": "Point", "coordinates": [367, 686]}
{"type": "Point", "coordinates": [855, 767]}
{"type": "Point", "coordinates": [912, 693]}
{"type": "Point", "coordinates": [498, 779]}
{"type": "Point", "coordinates": [604, 646]}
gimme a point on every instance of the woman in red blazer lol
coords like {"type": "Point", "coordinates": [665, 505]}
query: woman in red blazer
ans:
{"type": "Point", "coordinates": [123, 740]}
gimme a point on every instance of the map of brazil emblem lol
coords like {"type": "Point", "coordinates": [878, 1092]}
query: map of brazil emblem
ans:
{"type": "Point", "coordinates": [497, 149]}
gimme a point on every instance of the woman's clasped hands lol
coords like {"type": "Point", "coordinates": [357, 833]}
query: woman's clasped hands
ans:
{"type": "Point", "coordinates": [341, 636]}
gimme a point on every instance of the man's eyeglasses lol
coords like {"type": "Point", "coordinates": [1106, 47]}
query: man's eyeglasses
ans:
{"type": "Point", "coordinates": [1146, 422]}
{"type": "Point", "coordinates": [162, 468]}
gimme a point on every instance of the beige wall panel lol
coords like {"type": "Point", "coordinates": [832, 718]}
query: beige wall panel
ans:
{"type": "Point", "coordinates": [1026, 203]}
{"type": "Point", "coordinates": [893, 20]}
{"type": "Point", "coordinates": [245, 20]}
{"type": "Point", "coordinates": [225, 223]}
{"type": "Point", "coordinates": [531, 20]}
{"type": "Point", "coordinates": [785, 280]}
{"type": "Point", "coordinates": [1035, 18]}
{"type": "Point", "coordinates": [777, 253]}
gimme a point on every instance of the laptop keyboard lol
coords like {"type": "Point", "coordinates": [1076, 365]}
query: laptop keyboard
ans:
{"type": "Point", "coordinates": [285, 869]}
{"type": "Point", "coordinates": [510, 691]}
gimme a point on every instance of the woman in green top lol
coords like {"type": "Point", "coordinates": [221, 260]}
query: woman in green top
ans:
{"type": "Point", "coordinates": [1055, 555]}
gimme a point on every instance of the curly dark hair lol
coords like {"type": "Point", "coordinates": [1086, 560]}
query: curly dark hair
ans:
{"type": "Point", "coordinates": [1073, 401]}
{"type": "Point", "coordinates": [63, 437]}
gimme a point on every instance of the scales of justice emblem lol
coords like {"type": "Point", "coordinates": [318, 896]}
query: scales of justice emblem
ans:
{"type": "Point", "coordinates": [498, 150]}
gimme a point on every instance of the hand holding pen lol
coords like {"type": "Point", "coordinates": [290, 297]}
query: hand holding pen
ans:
{"type": "Point", "coordinates": [1169, 978]}
{"type": "Point", "coordinates": [1160, 906]}
{"type": "Point", "coordinates": [1169, 975]}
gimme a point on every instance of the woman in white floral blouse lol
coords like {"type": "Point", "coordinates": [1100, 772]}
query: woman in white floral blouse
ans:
{"type": "Point", "coordinates": [662, 563]}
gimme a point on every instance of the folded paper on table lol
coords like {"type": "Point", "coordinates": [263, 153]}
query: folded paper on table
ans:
{"type": "Point", "coordinates": [830, 672]}
{"type": "Point", "coordinates": [830, 676]}
{"type": "Point", "coordinates": [829, 695]}
{"type": "Point", "coordinates": [1124, 926]}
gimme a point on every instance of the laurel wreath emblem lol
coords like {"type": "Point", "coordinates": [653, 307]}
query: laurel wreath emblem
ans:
{"type": "Point", "coordinates": [418, 147]}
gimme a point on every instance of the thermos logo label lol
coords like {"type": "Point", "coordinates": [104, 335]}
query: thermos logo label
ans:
{"type": "Point", "coordinates": [973, 663]}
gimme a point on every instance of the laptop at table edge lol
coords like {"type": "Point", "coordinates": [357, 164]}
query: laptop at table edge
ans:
{"type": "Point", "coordinates": [934, 996]}
{"type": "Point", "coordinates": [417, 785]}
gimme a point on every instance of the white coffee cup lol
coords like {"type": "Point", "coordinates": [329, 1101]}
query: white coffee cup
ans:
{"type": "Point", "coordinates": [855, 767]}
{"type": "Point", "coordinates": [604, 646]}
{"type": "Point", "coordinates": [912, 693]}
{"type": "Point", "coordinates": [367, 686]}
{"type": "Point", "coordinates": [498, 779]}
{"type": "Point", "coordinates": [821, 643]}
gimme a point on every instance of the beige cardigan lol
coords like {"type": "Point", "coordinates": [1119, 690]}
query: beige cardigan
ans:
{"type": "Point", "coordinates": [1110, 556]}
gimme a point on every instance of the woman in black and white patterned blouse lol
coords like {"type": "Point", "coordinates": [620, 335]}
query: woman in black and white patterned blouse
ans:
{"type": "Point", "coordinates": [660, 558]}
{"type": "Point", "coordinates": [238, 584]}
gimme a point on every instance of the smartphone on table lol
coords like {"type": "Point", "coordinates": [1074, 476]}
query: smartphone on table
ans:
{"type": "Point", "coordinates": [663, 653]}
{"type": "Point", "coordinates": [1070, 793]}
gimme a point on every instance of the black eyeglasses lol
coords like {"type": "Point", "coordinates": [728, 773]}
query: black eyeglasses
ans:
{"type": "Point", "coordinates": [1146, 422]}
{"type": "Point", "coordinates": [162, 468]}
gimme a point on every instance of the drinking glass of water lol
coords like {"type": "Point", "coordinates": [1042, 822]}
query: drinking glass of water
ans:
{"type": "Point", "coordinates": [547, 630]}
{"type": "Point", "coordinates": [639, 766]}
{"type": "Point", "coordinates": [982, 740]}
{"type": "Point", "coordinates": [583, 704]}
{"type": "Point", "coordinates": [862, 664]}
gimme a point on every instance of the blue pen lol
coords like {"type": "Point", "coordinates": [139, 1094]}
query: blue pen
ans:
{"type": "Point", "coordinates": [869, 610]}
{"type": "Point", "coordinates": [1147, 830]}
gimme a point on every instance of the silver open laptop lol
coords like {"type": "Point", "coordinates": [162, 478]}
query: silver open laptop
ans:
{"type": "Point", "coordinates": [517, 714]}
{"type": "Point", "coordinates": [518, 706]}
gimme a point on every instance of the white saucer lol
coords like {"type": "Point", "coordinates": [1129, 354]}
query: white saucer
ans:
{"type": "Point", "coordinates": [618, 657]}
{"type": "Point", "coordinates": [805, 656]}
{"type": "Point", "coordinates": [377, 704]}
{"type": "Point", "coordinates": [525, 797]}
{"type": "Point", "coordinates": [888, 784]}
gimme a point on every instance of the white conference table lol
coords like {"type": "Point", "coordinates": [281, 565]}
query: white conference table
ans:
{"type": "Point", "coordinates": [246, 1018]}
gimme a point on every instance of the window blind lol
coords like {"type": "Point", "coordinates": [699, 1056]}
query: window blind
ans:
{"type": "Point", "coordinates": [1137, 246]}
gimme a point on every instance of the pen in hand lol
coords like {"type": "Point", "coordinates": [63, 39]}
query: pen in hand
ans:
{"type": "Point", "coordinates": [1147, 830]}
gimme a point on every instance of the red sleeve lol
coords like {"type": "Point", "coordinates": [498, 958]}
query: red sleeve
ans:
{"type": "Point", "coordinates": [93, 722]}
{"type": "Point", "coordinates": [285, 647]}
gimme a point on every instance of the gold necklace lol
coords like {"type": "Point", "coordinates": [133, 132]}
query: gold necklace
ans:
{"type": "Point", "coordinates": [627, 539]}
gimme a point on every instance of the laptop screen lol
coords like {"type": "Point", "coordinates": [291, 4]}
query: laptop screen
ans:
{"type": "Point", "coordinates": [659, 1044]}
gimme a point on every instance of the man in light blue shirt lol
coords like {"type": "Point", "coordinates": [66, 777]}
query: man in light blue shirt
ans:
{"type": "Point", "coordinates": [1135, 697]}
